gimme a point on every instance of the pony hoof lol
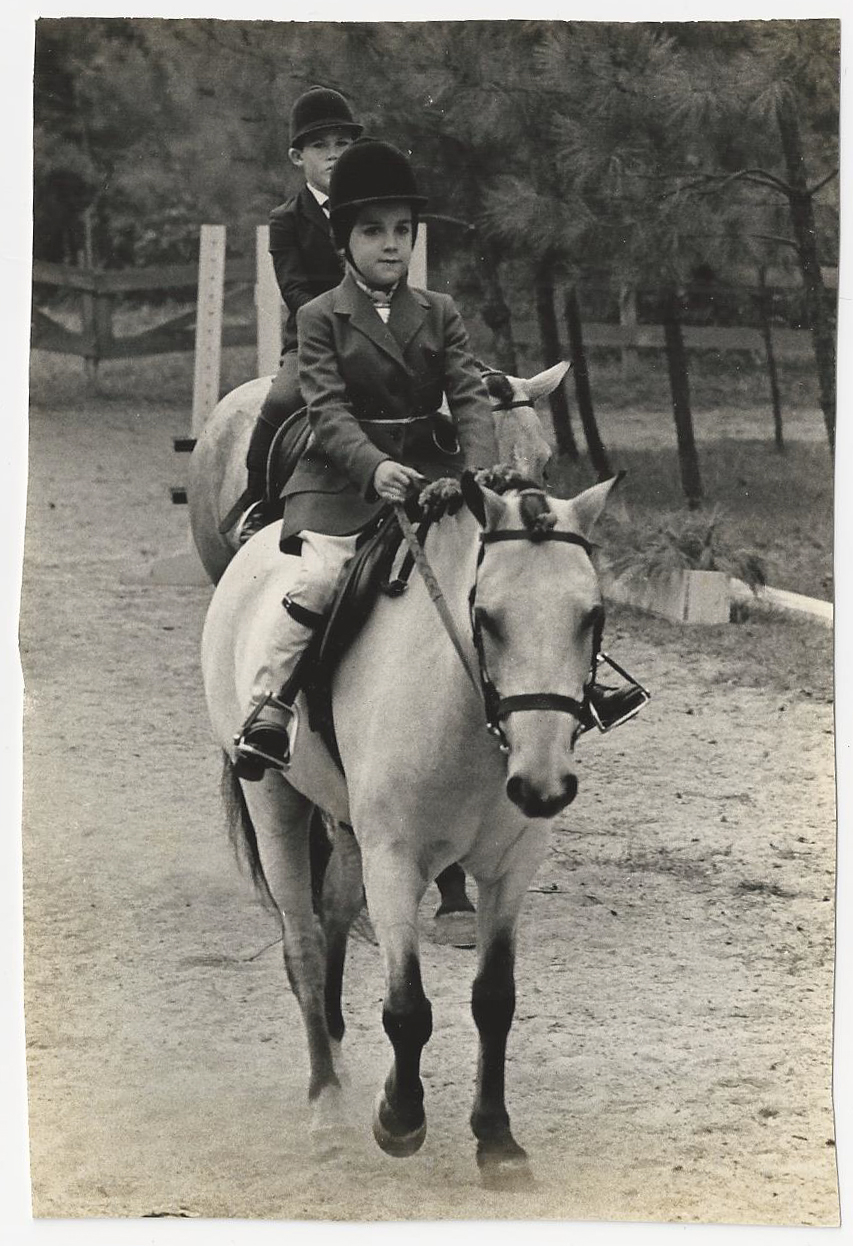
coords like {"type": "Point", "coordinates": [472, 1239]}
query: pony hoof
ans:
{"type": "Point", "coordinates": [339, 1063]}
{"type": "Point", "coordinates": [394, 1142]}
{"type": "Point", "coordinates": [507, 1169]}
{"type": "Point", "coordinates": [456, 929]}
{"type": "Point", "coordinates": [328, 1130]}
{"type": "Point", "coordinates": [332, 1143]}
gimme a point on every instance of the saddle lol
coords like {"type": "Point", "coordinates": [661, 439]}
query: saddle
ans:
{"type": "Point", "coordinates": [363, 579]}
{"type": "Point", "coordinates": [285, 451]}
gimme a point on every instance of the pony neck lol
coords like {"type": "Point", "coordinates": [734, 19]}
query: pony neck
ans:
{"type": "Point", "coordinates": [452, 546]}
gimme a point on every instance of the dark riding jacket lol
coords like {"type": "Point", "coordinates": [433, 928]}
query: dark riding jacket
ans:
{"type": "Point", "coordinates": [373, 392]}
{"type": "Point", "coordinates": [303, 255]}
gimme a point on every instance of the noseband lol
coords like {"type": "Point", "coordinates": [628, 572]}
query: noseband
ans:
{"type": "Point", "coordinates": [498, 707]}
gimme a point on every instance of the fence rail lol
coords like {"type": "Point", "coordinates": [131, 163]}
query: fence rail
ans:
{"type": "Point", "coordinates": [101, 289]}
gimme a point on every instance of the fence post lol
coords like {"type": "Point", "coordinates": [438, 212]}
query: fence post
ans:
{"type": "Point", "coordinates": [208, 329]}
{"type": "Point", "coordinates": [267, 305]}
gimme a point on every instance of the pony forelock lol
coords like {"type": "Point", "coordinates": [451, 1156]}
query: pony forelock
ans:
{"type": "Point", "coordinates": [535, 511]}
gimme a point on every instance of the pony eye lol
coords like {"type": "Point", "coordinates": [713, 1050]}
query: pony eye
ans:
{"type": "Point", "coordinates": [594, 618]}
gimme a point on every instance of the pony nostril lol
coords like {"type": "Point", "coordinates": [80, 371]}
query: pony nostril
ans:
{"type": "Point", "coordinates": [570, 787]}
{"type": "Point", "coordinates": [515, 789]}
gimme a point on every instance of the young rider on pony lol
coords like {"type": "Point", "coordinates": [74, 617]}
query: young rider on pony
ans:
{"type": "Point", "coordinates": [306, 264]}
{"type": "Point", "coordinates": [375, 358]}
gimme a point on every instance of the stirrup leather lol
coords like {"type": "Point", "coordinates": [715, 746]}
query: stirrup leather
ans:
{"type": "Point", "coordinates": [250, 741]}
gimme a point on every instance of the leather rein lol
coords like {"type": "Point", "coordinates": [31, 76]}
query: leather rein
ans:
{"type": "Point", "coordinates": [497, 707]}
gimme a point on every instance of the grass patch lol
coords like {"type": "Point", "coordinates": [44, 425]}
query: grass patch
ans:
{"type": "Point", "coordinates": [777, 507]}
{"type": "Point", "coordinates": [788, 655]}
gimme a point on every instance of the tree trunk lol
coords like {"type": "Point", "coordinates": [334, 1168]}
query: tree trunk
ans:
{"type": "Point", "coordinates": [629, 355]}
{"type": "Point", "coordinates": [767, 334]}
{"type": "Point", "coordinates": [676, 358]}
{"type": "Point", "coordinates": [552, 353]}
{"type": "Point", "coordinates": [583, 393]}
{"type": "Point", "coordinates": [496, 313]}
{"type": "Point", "coordinates": [803, 222]}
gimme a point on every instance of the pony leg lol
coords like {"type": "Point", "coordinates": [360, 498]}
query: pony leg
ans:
{"type": "Point", "coordinates": [455, 921]}
{"type": "Point", "coordinates": [395, 887]}
{"type": "Point", "coordinates": [502, 1162]}
{"type": "Point", "coordinates": [340, 903]}
{"type": "Point", "coordinates": [281, 818]}
{"type": "Point", "coordinates": [454, 897]}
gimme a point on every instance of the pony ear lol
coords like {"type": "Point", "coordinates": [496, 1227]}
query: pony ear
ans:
{"type": "Point", "coordinates": [586, 508]}
{"type": "Point", "coordinates": [546, 382]}
{"type": "Point", "coordinates": [485, 505]}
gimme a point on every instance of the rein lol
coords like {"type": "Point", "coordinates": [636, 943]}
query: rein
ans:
{"type": "Point", "coordinates": [496, 706]}
{"type": "Point", "coordinates": [436, 595]}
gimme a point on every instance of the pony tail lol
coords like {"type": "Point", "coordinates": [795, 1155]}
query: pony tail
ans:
{"type": "Point", "coordinates": [241, 830]}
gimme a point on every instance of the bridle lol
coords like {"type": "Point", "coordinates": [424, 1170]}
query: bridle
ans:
{"type": "Point", "coordinates": [509, 404]}
{"type": "Point", "coordinates": [497, 708]}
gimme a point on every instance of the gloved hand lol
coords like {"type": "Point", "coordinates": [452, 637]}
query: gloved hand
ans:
{"type": "Point", "coordinates": [440, 497]}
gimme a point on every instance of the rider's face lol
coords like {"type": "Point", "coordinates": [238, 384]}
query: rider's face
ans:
{"type": "Point", "coordinates": [318, 154]}
{"type": "Point", "coordinates": [381, 242]}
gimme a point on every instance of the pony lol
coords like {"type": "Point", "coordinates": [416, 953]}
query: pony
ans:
{"type": "Point", "coordinates": [217, 468]}
{"type": "Point", "coordinates": [448, 754]}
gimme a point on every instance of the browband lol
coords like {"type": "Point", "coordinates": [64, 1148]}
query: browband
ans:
{"type": "Point", "coordinates": [524, 534]}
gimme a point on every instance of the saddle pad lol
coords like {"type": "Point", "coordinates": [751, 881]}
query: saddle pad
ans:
{"type": "Point", "coordinates": [362, 580]}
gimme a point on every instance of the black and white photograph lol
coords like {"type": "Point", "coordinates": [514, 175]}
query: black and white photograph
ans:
{"type": "Point", "coordinates": [426, 618]}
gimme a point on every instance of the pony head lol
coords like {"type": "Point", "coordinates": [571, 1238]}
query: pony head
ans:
{"type": "Point", "coordinates": [538, 616]}
{"type": "Point", "coordinates": [520, 436]}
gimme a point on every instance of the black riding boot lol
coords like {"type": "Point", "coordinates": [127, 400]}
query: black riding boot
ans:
{"type": "Point", "coordinates": [255, 514]}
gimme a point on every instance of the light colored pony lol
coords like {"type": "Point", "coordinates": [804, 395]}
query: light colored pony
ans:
{"type": "Point", "coordinates": [217, 470]}
{"type": "Point", "coordinates": [424, 784]}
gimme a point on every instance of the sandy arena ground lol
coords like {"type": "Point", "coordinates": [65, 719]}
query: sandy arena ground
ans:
{"type": "Point", "coordinates": [670, 1058]}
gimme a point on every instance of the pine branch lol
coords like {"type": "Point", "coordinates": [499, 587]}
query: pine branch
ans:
{"type": "Point", "coordinates": [813, 190]}
{"type": "Point", "coordinates": [709, 183]}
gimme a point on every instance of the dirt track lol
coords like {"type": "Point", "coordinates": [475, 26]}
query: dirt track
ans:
{"type": "Point", "coordinates": [671, 1052]}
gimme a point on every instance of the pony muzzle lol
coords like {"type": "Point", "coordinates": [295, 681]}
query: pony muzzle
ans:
{"type": "Point", "coordinates": [534, 802]}
{"type": "Point", "coordinates": [541, 779]}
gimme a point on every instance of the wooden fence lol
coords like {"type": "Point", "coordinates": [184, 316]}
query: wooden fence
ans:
{"type": "Point", "coordinates": [101, 290]}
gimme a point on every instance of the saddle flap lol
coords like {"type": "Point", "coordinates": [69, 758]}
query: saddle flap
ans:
{"type": "Point", "coordinates": [286, 449]}
{"type": "Point", "coordinates": [361, 582]}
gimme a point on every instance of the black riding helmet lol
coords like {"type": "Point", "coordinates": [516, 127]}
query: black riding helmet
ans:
{"type": "Point", "coordinates": [320, 108]}
{"type": "Point", "coordinates": [370, 171]}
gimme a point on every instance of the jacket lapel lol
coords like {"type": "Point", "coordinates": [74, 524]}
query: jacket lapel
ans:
{"type": "Point", "coordinates": [313, 212]}
{"type": "Point", "coordinates": [408, 312]}
{"type": "Point", "coordinates": [353, 303]}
